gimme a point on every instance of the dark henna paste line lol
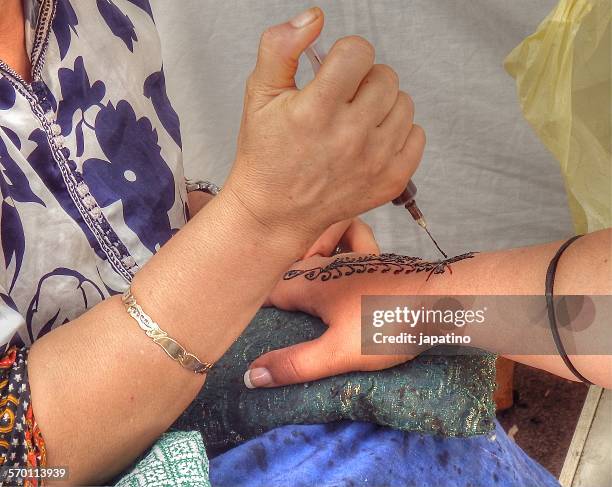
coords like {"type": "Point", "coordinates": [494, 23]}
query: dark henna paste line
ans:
{"type": "Point", "coordinates": [383, 263]}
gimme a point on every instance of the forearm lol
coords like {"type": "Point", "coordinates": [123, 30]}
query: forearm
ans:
{"type": "Point", "coordinates": [102, 391]}
{"type": "Point", "coordinates": [584, 269]}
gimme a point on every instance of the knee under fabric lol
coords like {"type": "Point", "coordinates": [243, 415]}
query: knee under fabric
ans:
{"type": "Point", "coordinates": [447, 394]}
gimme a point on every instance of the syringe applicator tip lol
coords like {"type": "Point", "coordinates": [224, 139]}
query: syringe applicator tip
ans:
{"type": "Point", "coordinates": [434, 241]}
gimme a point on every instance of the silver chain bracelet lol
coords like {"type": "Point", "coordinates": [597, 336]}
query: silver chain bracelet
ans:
{"type": "Point", "coordinates": [173, 348]}
{"type": "Point", "coordinates": [204, 186]}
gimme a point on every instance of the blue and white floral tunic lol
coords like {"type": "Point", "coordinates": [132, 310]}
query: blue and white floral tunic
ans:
{"type": "Point", "coordinates": [91, 181]}
{"type": "Point", "coordinates": [91, 174]}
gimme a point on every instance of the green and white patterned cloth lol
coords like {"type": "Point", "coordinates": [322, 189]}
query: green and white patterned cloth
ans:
{"type": "Point", "coordinates": [177, 459]}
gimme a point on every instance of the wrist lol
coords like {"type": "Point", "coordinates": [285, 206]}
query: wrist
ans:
{"type": "Point", "coordinates": [278, 236]}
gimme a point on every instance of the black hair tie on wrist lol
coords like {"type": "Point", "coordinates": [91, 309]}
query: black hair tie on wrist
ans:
{"type": "Point", "coordinates": [552, 318]}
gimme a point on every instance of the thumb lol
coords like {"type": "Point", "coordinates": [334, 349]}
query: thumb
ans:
{"type": "Point", "coordinates": [280, 48]}
{"type": "Point", "coordinates": [326, 244]}
{"type": "Point", "coordinates": [360, 238]}
{"type": "Point", "coordinates": [298, 363]}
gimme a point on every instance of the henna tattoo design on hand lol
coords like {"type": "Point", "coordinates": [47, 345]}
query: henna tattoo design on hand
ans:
{"type": "Point", "coordinates": [383, 263]}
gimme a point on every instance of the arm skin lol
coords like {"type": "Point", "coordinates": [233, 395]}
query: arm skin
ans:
{"type": "Point", "coordinates": [585, 268]}
{"type": "Point", "coordinates": [353, 235]}
{"type": "Point", "coordinates": [102, 391]}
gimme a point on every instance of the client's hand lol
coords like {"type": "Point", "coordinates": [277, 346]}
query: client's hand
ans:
{"type": "Point", "coordinates": [338, 350]}
{"type": "Point", "coordinates": [352, 235]}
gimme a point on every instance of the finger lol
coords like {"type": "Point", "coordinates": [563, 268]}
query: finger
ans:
{"type": "Point", "coordinates": [398, 123]}
{"type": "Point", "coordinates": [348, 62]}
{"type": "Point", "coordinates": [326, 244]}
{"type": "Point", "coordinates": [408, 158]}
{"type": "Point", "coordinates": [299, 363]}
{"type": "Point", "coordinates": [377, 93]}
{"type": "Point", "coordinates": [359, 238]}
{"type": "Point", "coordinates": [280, 48]}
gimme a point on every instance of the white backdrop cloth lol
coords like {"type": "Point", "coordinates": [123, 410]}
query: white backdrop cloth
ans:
{"type": "Point", "coordinates": [486, 182]}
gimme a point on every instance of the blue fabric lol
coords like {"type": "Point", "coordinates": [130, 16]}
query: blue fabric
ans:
{"type": "Point", "coordinates": [351, 453]}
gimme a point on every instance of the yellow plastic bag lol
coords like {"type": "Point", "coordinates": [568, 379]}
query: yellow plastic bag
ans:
{"type": "Point", "coordinates": [563, 72]}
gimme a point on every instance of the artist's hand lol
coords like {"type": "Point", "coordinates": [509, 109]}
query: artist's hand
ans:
{"type": "Point", "coordinates": [342, 145]}
{"type": "Point", "coordinates": [338, 350]}
{"type": "Point", "coordinates": [353, 235]}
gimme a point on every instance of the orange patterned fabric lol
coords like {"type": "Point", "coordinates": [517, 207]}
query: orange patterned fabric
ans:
{"type": "Point", "coordinates": [21, 443]}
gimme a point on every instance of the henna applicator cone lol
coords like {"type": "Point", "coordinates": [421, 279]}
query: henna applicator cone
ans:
{"type": "Point", "coordinates": [407, 200]}
{"type": "Point", "coordinates": [316, 56]}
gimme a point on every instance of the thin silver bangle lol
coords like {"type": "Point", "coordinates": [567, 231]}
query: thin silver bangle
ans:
{"type": "Point", "coordinates": [204, 186]}
{"type": "Point", "coordinates": [173, 348]}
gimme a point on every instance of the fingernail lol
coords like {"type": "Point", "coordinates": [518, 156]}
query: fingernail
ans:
{"type": "Point", "coordinates": [305, 18]}
{"type": "Point", "coordinates": [257, 377]}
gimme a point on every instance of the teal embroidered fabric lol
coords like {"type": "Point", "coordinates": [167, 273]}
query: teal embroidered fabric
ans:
{"type": "Point", "coordinates": [177, 459]}
{"type": "Point", "coordinates": [435, 393]}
